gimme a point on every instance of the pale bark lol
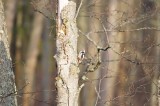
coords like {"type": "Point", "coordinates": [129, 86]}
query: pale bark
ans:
{"type": "Point", "coordinates": [31, 59]}
{"type": "Point", "coordinates": [7, 79]}
{"type": "Point", "coordinates": [66, 57]}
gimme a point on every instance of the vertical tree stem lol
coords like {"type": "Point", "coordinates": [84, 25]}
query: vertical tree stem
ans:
{"type": "Point", "coordinates": [66, 57]}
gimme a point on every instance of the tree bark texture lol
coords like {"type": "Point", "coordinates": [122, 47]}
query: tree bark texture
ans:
{"type": "Point", "coordinates": [7, 79]}
{"type": "Point", "coordinates": [66, 57]}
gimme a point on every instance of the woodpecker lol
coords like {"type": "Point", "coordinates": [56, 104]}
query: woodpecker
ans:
{"type": "Point", "coordinates": [81, 56]}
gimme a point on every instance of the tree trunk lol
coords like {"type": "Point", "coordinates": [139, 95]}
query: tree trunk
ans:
{"type": "Point", "coordinates": [7, 79]}
{"type": "Point", "coordinates": [66, 57]}
{"type": "Point", "coordinates": [158, 91]}
{"type": "Point", "coordinates": [112, 37]}
{"type": "Point", "coordinates": [31, 59]}
{"type": "Point", "coordinates": [10, 15]}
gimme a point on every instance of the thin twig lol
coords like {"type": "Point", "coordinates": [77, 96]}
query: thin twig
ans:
{"type": "Point", "coordinates": [128, 30]}
{"type": "Point", "coordinates": [78, 9]}
{"type": "Point", "coordinates": [98, 92]}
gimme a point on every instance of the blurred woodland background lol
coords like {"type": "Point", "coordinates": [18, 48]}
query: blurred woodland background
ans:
{"type": "Point", "coordinates": [121, 39]}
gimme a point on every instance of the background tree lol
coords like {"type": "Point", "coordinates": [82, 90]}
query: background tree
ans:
{"type": "Point", "coordinates": [7, 78]}
{"type": "Point", "coordinates": [121, 43]}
